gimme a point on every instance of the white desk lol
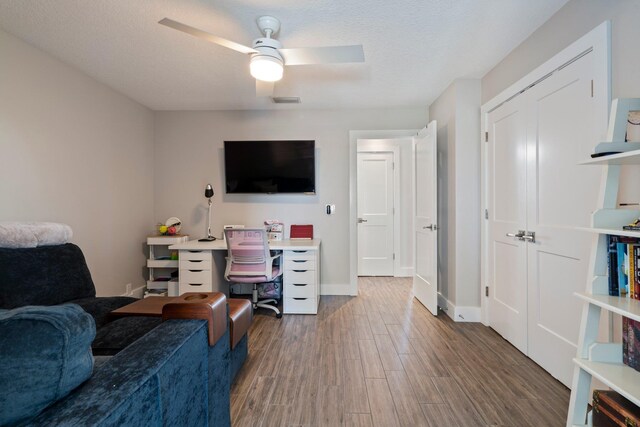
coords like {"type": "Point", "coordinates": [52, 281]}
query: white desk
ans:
{"type": "Point", "coordinates": [202, 271]}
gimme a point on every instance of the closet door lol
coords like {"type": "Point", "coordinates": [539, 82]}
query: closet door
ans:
{"type": "Point", "coordinates": [563, 126]}
{"type": "Point", "coordinates": [506, 192]}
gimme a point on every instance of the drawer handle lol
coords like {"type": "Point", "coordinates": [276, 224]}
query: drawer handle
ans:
{"type": "Point", "coordinates": [195, 284]}
{"type": "Point", "coordinates": [301, 299]}
{"type": "Point", "coordinates": [299, 260]}
{"type": "Point", "coordinates": [300, 271]}
{"type": "Point", "coordinates": [195, 260]}
{"type": "Point", "coordinates": [300, 284]}
{"type": "Point", "coordinates": [196, 271]}
{"type": "Point", "coordinates": [195, 252]}
{"type": "Point", "coordinates": [300, 252]}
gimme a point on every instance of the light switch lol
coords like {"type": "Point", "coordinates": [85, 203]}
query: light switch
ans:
{"type": "Point", "coordinates": [330, 209]}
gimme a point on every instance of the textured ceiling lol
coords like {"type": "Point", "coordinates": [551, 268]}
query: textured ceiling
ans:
{"type": "Point", "coordinates": [413, 48]}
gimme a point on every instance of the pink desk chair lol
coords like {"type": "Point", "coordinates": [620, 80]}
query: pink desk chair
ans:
{"type": "Point", "coordinates": [249, 260]}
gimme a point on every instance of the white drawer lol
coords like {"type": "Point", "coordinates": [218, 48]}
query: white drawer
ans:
{"type": "Point", "coordinates": [307, 277]}
{"type": "Point", "coordinates": [197, 255]}
{"type": "Point", "coordinates": [299, 264]}
{"type": "Point", "coordinates": [186, 287]}
{"type": "Point", "coordinates": [301, 305]}
{"type": "Point", "coordinates": [300, 290]}
{"type": "Point", "coordinates": [299, 254]}
{"type": "Point", "coordinates": [195, 264]}
{"type": "Point", "coordinates": [195, 277]}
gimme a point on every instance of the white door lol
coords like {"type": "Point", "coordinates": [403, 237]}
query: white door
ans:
{"type": "Point", "coordinates": [425, 279]}
{"type": "Point", "coordinates": [375, 214]}
{"type": "Point", "coordinates": [564, 125]}
{"type": "Point", "coordinates": [506, 201]}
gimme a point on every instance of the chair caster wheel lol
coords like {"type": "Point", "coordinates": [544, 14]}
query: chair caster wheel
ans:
{"type": "Point", "coordinates": [279, 315]}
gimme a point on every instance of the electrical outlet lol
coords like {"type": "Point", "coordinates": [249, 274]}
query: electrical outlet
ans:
{"type": "Point", "coordinates": [128, 288]}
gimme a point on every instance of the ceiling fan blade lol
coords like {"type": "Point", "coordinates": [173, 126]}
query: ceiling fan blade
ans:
{"type": "Point", "coordinates": [206, 36]}
{"type": "Point", "coordinates": [264, 89]}
{"type": "Point", "coordinates": [322, 55]}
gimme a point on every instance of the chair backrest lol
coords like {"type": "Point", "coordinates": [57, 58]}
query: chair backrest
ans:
{"type": "Point", "coordinates": [248, 252]}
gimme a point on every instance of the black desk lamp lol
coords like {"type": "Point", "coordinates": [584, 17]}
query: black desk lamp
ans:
{"type": "Point", "coordinates": [208, 193]}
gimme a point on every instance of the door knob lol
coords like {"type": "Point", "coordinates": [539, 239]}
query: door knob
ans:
{"type": "Point", "coordinates": [431, 227]}
{"type": "Point", "coordinates": [519, 235]}
{"type": "Point", "coordinates": [361, 220]}
{"type": "Point", "coordinates": [530, 236]}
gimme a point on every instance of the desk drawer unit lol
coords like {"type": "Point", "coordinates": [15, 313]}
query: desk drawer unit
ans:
{"type": "Point", "coordinates": [301, 282]}
{"type": "Point", "coordinates": [195, 271]}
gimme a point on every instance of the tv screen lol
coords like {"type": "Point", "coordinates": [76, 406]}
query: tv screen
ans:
{"type": "Point", "coordinates": [270, 167]}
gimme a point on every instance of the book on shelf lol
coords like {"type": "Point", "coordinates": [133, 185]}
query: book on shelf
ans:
{"type": "Point", "coordinates": [631, 343]}
{"type": "Point", "coordinates": [623, 266]}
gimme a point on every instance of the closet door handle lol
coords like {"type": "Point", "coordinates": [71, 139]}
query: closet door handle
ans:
{"type": "Point", "coordinates": [519, 235]}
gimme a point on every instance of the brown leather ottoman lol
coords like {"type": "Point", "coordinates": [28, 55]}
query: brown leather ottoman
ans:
{"type": "Point", "coordinates": [240, 317]}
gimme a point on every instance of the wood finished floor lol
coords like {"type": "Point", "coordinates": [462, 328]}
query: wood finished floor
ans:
{"type": "Point", "coordinates": [380, 359]}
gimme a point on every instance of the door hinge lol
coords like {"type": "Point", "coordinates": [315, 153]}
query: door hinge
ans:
{"type": "Point", "coordinates": [486, 214]}
{"type": "Point", "coordinates": [393, 165]}
{"type": "Point", "coordinates": [592, 88]}
{"type": "Point", "coordinates": [394, 256]}
{"type": "Point", "coordinates": [486, 291]}
{"type": "Point", "coordinates": [486, 137]}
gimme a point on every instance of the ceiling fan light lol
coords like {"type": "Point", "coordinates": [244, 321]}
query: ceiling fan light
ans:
{"type": "Point", "coordinates": [266, 68]}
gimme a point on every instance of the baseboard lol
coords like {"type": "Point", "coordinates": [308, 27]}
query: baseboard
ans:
{"type": "Point", "coordinates": [335, 289]}
{"type": "Point", "coordinates": [467, 314]}
{"type": "Point", "coordinates": [458, 314]}
{"type": "Point", "coordinates": [405, 272]}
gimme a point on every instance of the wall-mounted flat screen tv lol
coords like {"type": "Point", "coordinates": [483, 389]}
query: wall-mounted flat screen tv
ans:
{"type": "Point", "coordinates": [270, 167]}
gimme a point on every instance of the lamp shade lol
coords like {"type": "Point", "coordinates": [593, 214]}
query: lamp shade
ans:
{"type": "Point", "coordinates": [208, 191]}
{"type": "Point", "coordinates": [266, 68]}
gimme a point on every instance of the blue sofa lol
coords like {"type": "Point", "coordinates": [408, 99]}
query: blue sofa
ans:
{"type": "Point", "coordinates": [149, 373]}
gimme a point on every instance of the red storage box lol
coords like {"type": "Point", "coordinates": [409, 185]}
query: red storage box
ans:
{"type": "Point", "coordinates": [301, 232]}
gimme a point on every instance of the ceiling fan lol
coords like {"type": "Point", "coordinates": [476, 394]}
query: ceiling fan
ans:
{"type": "Point", "coordinates": [268, 58]}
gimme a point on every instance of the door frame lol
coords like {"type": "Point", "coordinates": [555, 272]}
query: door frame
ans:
{"type": "Point", "coordinates": [598, 42]}
{"type": "Point", "coordinates": [354, 136]}
{"type": "Point", "coordinates": [381, 146]}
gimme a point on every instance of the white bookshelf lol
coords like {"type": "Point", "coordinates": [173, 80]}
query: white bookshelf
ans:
{"type": "Point", "coordinates": [595, 360]}
{"type": "Point", "coordinates": [161, 265]}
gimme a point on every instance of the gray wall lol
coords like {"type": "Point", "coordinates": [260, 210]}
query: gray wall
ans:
{"type": "Point", "coordinates": [189, 154]}
{"type": "Point", "coordinates": [574, 20]}
{"type": "Point", "coordinates": [457, 112]}
{"type": "Point", "coordinates": [75, 151]}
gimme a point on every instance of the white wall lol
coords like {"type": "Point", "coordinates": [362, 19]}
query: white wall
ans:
{"type": "Point", "coordinates": [574, 20]}
{"type": "Point", "coordinates": [75, 151]}
{"type": "Point", "coordinates": [189, 153]}
{"type": "Point", "coordinates": [457, 112]}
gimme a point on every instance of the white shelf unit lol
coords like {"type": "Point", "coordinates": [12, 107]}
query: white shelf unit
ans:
{"type": "Point", "coordinates": [160, 264]}
{"type": "Point", "coordinates": [603, 360]}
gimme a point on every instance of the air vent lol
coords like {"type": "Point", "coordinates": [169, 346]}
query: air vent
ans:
{"type": "Point", "coordinates": [286, 100]}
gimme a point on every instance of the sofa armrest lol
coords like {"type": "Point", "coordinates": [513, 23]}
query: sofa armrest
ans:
{"type": "Point", "coordinates": [163, 378]}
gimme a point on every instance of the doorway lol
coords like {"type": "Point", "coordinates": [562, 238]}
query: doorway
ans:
{"type": "Point", "coordinates": [539, 200]}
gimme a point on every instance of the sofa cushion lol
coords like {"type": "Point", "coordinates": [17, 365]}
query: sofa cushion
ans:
{"type": "Point", "coordinates": [45, 352]}
{"type": "Point", "coordinates": [116, 335]}
{"type": "Point", "coordinates": [101, 307]}
{"type": "Point", "coordinates": [46, 275]}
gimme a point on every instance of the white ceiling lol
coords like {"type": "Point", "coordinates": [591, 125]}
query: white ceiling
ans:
{"type": "Point", "coordinates": [413, 48]}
